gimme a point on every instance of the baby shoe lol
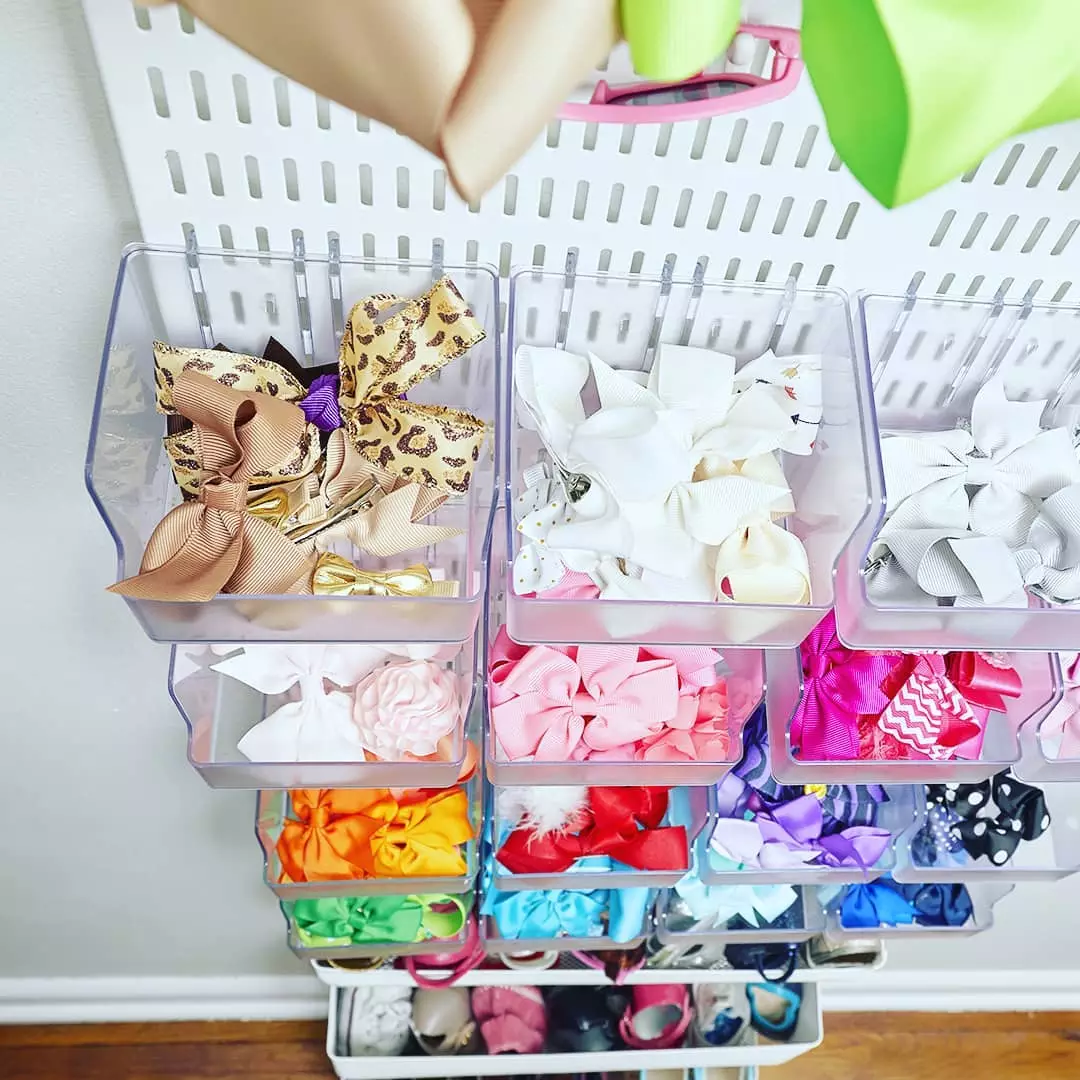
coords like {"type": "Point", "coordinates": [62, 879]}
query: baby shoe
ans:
{"type": "Point", "coordinates": [585, 1019]}
{"type": "Point", "coordinates": [442, 1021]}
{"type": "Point", "coordinates": [374, 1020]}
{"type": "Point", "coordinates": [774, 1008]}
{"type": "Point", "coordinates": [513, 1019]}
{"type": "Point", "coordinates": [657, 1017]}
{"type": "Point", "coordinates": [721, 1015]}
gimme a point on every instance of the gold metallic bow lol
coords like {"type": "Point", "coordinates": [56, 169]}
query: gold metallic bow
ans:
{"type": "Point", "coordinates": [473, 81]}
{"type": "Point", "coordinates": [381, 360]}
{"type": "Point", "coordinates": [335, 576]}
{"type": "Point", "coordinates": [211, 544]}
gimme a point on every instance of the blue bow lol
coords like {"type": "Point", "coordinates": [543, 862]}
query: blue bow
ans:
{"type": "Point", "coordinates": [759, 905]}
{"type": "Point", "coordinates": [886, 903]}
{"type": "Point", "coordinates": [552, 913]}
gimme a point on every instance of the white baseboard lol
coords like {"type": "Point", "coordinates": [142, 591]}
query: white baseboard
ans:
{"type": "Point", "coordinates": [300, 997]}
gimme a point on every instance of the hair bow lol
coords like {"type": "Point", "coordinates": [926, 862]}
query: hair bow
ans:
{"type": "Point", "coordinates": [320, 405]}
{"type": "Point", "coordinates": [790, 835]}
{"type": "Point", "coordinates": [547, 913]}
{"type": "Point", "coordinates": [873, 904]}
{"type": "Point", "coordinates": [383, 356]}
{"type": "Point", "coordinates": [552, 704]}
{"type": "Point", "coordinates": [758, 905]}
{"type": "Point", "coordinates": [839, 684]}
{"type": "Point", "coordinates": [623, 823]}
{"type": "Point", "coordinates": [1050, 557]}
{"type": "Point", "coordinates": [335, 576]}
{"type": "Point", "coordinates": [927, 712]}
{"type": "Point", "coordinates": [317, 727]}
{"type": "Point", "coordinates": [358, 834]}
{"type": "Point", "coordinates": [1007, 462]}
{"type": "Point", "coordinates": [538, 566]}
{"type": "Point", "coordinates": [991, 819]}
{"type": "Point", "coordinates": [359, 920]}
{"type": "Point", "coordinates": [1059, 733]}
{"type": "Point", "coordinates": [211, 544]}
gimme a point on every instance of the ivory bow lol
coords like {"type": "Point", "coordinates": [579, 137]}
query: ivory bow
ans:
{"type": "Point", "coordinates": [1007, 459]}
{"type": "Point", "coordinates": [928, 713]}
{"type": "Point", "coordinates": [319, 726]}
{"type": "Point", "coordinates": [385, 355]}
{"type": "Point", "coordinates": [211, 544]}
{"type": "Point", "coordinates": [473, 81]}
{"type": "Point", "coordinates": [551, 704]}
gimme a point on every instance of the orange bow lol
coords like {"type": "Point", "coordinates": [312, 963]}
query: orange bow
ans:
{"type": "Point", "coordinates": [211, 544]}
{"type": "Point", "coordinates": [345, 834]}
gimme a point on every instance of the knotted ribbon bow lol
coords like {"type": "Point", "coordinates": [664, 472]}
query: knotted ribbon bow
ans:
{"type": "Point", "coordinates": [789, 835]}
{"type": "Point", "coordinates": [345, 834]}
{"type": "Point", "coordinates": [356, 920]}
{"type": "Point", "coordinates": [383, 356]}
{"type": "Point", "coordinates": [927, 711]}
{"type": "Point", "coordinates": [553, 704]}
{"type": "Point", "coordinates": [758, 905]}
{"type": "Point", "coordinates": [335, 576]}
{"type": "Point", "coordinates": [623, 823]}
{"type": "Point", "coordinates": [839, 684]}
{"type": "Point", "coordinates": [211, 544]}
{"type": "Point", "coordinates": [319, 726]}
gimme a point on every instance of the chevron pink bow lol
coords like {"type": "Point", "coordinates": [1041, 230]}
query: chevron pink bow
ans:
{"type": "Point", "coordinates": [559, 703]}
{"type": "Point", "coordinates": [839, 685]}
{"type": "Point", "coordinates": [927, 712]}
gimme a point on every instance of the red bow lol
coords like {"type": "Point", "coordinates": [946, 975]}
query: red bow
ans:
{"type": "Point", "coordinates": [985, 679]}
{"type": "Point", "coordinates": [622, 823]}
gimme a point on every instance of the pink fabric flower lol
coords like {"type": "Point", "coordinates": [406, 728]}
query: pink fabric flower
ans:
{"type": "Point", "coordinates": [405, 709]}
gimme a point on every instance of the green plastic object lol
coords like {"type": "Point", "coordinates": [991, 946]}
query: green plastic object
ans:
{"type": "Point", "coordinates": [916, 92]}
{"type": "Point", "coordinates": [671, 40]}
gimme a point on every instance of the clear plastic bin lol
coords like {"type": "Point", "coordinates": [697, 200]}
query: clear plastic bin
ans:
{"type": "Point", "coordinates": [272, 809]}
{"type": "Point", "coordinates": [1054, 855]}
{"type": "Point", "coordinates": [1049, 751]}
{"type": "Point", "coordinates": [219, 710]}
{"type": "Point", "coordinates": [900, 814]}
{"type": "Point", "coordinates": [622, 320]}
{"type": "Point", "coordinates": [675, 929]}
{"type": "Point", "coordinates": [744, 669]}
{"type": "Point", "coordinates": [692, 814]}
{"type": "Point", "coordinates": [494, 943]}
{"type": "Point", "coordinates": [929, 357]}
{"type": "Point", "coordinates": [1041, 677]}
{"type": "Point", "coordinates": [240, 300]}
{"type": "Point", "coordinates": [984, 895]}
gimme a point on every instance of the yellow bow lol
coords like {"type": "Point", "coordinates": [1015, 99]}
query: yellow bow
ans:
{"type": "Point", "coordinates": [335, 576]}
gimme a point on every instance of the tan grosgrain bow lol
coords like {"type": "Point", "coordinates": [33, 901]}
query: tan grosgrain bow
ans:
{"type": "Point", "coordinates": [383, 358]}
{"type": "Point", "coordinates": [211, 544]}
{"type": "Point", "coordinates": [473, 81]}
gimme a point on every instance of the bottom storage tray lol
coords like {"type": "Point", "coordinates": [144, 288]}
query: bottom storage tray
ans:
{"type": "Point", "coordinates": [807, 1035]}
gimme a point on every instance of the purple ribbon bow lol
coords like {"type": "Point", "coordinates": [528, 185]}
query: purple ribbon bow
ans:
{"type": "Point", "coordinates": [321, 404]}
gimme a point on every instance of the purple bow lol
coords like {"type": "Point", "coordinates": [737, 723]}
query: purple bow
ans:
{"type": "Point", "coordinates": [321, 404]}
{"type": "Point", "coordinates": [790, 835]}
{"type": "Point", "coordinates": [839, 685]}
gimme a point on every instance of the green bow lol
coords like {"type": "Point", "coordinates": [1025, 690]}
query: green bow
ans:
{"type": "Point", "coordinates": [392, 920]}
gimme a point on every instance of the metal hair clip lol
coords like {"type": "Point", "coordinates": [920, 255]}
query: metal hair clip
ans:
{"type": "Point", "coordinates": [359, 499]}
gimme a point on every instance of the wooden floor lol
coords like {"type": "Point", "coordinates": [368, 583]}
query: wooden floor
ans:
{"type": "Point", "coordinates": [858, 1046]}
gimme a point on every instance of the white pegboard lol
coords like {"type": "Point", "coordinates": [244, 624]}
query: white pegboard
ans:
{"type": "Point", "coordinates": [216, 142]}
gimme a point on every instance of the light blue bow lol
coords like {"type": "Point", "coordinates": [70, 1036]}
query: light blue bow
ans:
{"type": "Point", "coordinates": [759, 905]}
{"type": "Point", "coordinates": [552, 913]}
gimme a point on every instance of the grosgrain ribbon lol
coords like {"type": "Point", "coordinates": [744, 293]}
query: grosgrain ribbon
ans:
{"type": "Point", "coordinates": [358, 920]}
{"type": "Point", "coordinates": [623, 823]}
{"type": "Point", "coordinates": [758, 905]}
{"type": "Point", "coordinates": [616, 914]}
{"type": "Point", "coordinates": [386, 353]}
{"type": "Point", "coordinates": [358, 834]}
{"type": "Point", "coordinates": [211, 544]}
{"type": "Point", "coordinates": [839, 684]}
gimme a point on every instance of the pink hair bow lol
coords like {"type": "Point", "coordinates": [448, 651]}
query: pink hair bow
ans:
{"type": "Point", "coordinates": [554, 704]}
{"type": "Point", "coordinates": [1064, 721]}
{"type": "Point", "coordinates": [839, 685]}
{"type": "Point", "coordinates": [927, 712]}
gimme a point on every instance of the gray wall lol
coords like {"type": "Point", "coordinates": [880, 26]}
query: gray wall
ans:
{"type": "Point", "coordinates": [114, 858]}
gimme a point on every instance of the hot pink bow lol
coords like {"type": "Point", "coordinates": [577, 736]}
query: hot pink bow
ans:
{"type": "Point", "coordinates": [839, 685]}
{"type": "Point", "coordinates": [554, 704]}
{"type": "Point", "coordinates": [927, 712]}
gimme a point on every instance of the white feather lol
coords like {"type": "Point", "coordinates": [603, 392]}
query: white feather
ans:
{"type": "Point", "coordinates": [543, 810]}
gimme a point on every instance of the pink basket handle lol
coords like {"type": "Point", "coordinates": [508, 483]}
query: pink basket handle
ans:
{"type": "Point", "coordinates": [787, 67]}
{"type": "Point", "coordinates": [452, 965]}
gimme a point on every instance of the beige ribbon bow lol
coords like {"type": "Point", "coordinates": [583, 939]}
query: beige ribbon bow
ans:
{"type": "Point", "coordinates": [211, 544]}
{"type": "Point", "coordinates": [473, 81]}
